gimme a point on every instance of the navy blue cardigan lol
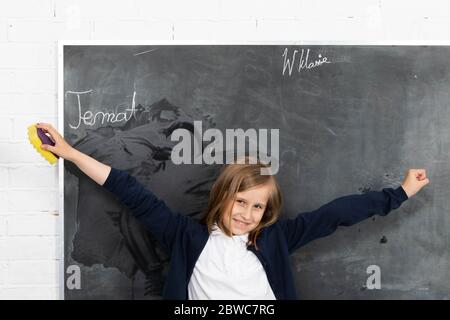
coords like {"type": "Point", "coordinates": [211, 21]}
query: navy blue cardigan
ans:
{"type": "Point", "coordinates": [184, 238]}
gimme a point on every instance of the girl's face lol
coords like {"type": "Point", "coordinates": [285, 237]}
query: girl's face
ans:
{"type": "Point", "coordinates": [247, 210]}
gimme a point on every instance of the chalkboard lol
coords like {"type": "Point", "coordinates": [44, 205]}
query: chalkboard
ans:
{"type": "Point", "coordinates": [350, 118]}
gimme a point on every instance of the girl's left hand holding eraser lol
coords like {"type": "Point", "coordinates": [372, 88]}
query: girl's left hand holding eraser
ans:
{"type": "Point", "coordinates": [37, 138]}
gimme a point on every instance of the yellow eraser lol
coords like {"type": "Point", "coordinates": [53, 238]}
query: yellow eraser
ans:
{"type": "Point", "coordinates": [35, 140]}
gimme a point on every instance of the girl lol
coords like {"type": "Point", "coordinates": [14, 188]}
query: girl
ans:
{"type": "Point", "coordinates": [240, 249]}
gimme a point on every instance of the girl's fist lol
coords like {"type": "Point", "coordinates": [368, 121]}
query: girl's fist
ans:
{"type": "Point", "coordinates": [415, 180]}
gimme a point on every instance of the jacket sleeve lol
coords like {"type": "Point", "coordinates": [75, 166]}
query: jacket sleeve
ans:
{"type": "Point", "coordinates": [152, 212]}
{"type": "Point", "coordinates": [343, 211]}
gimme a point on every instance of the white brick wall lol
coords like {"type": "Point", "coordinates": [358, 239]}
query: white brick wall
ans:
{"type": "Point", "coordinates": [29, 241]}
{"type": "Point", "coordinates": [7, 77]}
{"type": "Point", "coordinates": [30, 104]}
{"type": "Point", "coordinates": [27, 55]}
{"type": "Point", "coordinates": [2, 232]}
{"type": "Point", "coordinates": [37, 224]}
{"type": "Point", "coordinates": [3, 204]}
{"type": "Point", "coordinates": [5, 134]}
{"type": "Point", "coordinates": [21, 9]}
{"type": "Point", "coordinates": [132, 30]}
{"type": "Point", "coordinates": [47, 31]}
{"type": "Point", "coordinates": [42, 176]}
{"type": "Point", "coordinates": [208, 30]}
{"type": "Point", "coordinates": [39, 199]}
{"type": "Point", "coordinates": [3, 30]}
{"type": "Point", "coordinates": [99, 9]}
{"type": "Point", "coordinates": [3, 178]}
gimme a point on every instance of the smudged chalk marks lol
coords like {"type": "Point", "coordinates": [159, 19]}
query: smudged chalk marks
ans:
{"type": "Point", "coordinates": [303, 61]}
{"type": "Point", "coordinates": [332, 132]}
{"type": "Point", "coordinates": [365, 189]}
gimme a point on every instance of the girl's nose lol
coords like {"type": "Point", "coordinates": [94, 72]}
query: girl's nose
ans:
{"type": "Point", "coordinates": [247, 213]}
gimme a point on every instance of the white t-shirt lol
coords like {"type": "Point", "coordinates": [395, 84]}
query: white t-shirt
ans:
{"type": "Point", "coordinates": [226, 270]}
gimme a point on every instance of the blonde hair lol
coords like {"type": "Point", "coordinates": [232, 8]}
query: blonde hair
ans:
{"type": "Point", "coordinates": [238, 177]}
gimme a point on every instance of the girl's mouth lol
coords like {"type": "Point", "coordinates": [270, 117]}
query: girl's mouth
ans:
{"type": "Point", "coordinates": [240, 223]}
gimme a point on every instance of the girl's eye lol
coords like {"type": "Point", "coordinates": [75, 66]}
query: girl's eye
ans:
{"type": "Point", "coordinates": [240, 201]}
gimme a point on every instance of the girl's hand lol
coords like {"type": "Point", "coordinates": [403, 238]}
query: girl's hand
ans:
{"type": "Point", "coordinates": [415, 180]}
{"type": "Point", "coordinates": [61, 147]}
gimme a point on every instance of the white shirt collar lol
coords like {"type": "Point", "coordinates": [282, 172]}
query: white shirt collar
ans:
{"type": "Point", "coordinates": [217, 231]}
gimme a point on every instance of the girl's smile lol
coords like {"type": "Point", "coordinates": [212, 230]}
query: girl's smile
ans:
{"type": "Point", "coordinates": [240, 224]}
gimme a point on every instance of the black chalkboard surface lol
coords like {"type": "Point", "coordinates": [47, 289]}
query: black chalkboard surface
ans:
{"type": "Point", "coordinates": [350, 119]}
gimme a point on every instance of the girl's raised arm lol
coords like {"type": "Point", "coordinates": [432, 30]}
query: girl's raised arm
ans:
{"type": "Point", "coordinates": [349, 210]}
{"type": "Point", "coordinates": [152, 212]}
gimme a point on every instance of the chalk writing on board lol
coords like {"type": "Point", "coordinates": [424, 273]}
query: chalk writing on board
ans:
{"type": "Point", "coordinates": [144, 52]}
{"type": "Point", "coordinates": [88, 118]}
{"type": "Point", "coordinates": [303, 61]}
